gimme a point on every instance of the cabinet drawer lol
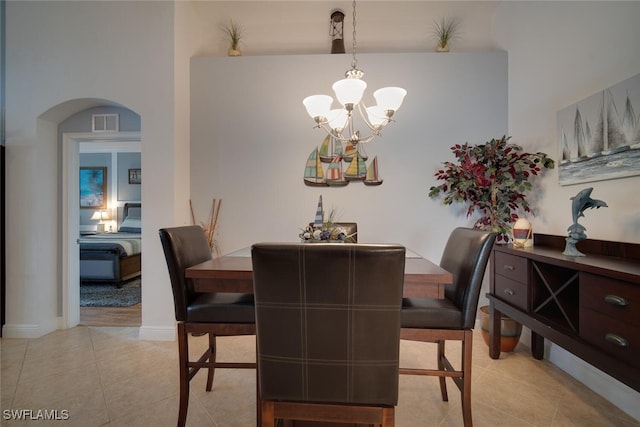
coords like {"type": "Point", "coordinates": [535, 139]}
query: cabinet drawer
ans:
{"type": "Point", "coordinates": [615, 337]}
{"type": "Point", "coordinates": [512, 267]}
{"type": "Point", "coordinates": [614, 298]}
{"type": "Point", "coordinates": [511, 291]}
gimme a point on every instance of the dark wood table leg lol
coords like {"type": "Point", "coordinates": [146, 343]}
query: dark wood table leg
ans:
{"type": "Point", "coordinates": [494, 331]}
{"type": "Point", "coordinates": [537, 346]}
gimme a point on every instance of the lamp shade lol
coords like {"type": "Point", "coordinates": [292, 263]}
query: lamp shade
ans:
{"type": "Point", "coordinates": [318, 105]}
{"type": "Point", "coordinates": [100, 215]}
{"type": "Point", "coordinates": [377, 116]}
{"type": "Point", "coordinates": [337, 118]}
{"type": "Point", "coordinates": [390, 98]}
{"type": "Point", "coordinates": [349, 91]}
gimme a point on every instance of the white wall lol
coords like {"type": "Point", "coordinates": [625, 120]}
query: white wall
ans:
{"type": "Point", "coordinates": [556, 60]}
{"type": "Point", "coordinates": [560, 53]}
{"type": "Point", "coordinates": [302, 27]}
{"type": "Point", "coordinates": [61, 51]}
{"type": "Point", "coordinates": [251, 137]}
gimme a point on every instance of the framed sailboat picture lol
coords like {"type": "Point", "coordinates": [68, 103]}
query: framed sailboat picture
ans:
{"type": "Point", "coordinates": [599, 136]}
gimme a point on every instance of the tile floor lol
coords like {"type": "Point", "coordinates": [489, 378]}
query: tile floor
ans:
{"type": "Point", "coordinates": [105, 376]}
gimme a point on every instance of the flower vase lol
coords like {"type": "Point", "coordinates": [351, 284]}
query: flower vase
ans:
{"type": "Point", "coordinates": [234, 52]}
{"type": "Point", "coordinates": [510, 330]}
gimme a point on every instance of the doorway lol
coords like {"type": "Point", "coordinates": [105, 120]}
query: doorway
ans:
{"type": "Point", "coordinates": [106, 302]}
{"type": "Point", "coordinates": [107, 142]}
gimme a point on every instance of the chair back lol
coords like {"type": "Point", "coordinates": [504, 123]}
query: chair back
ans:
{"type": "Point", "coordinates": [183, 247]}
{"type": "Point", "coordinates": [466, 256]}
{"type": "Point", "coordinates": [328, 321]}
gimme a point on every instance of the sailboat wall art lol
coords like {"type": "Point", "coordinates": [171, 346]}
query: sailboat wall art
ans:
{"type": "Point", "coordinates": [599, 137]}
{"type": "Point", "coordinates": [331, 165]}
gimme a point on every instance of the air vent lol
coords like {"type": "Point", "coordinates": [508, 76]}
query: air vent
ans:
{"type": "Point", "coordinates": [104, 123]}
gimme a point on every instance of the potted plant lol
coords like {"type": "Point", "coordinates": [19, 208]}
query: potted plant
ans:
{"type": "Point", "coordinates": [233, 31]}
{"type": "Point", "coordinates": [493, 179]}
{"type": "Point", "coordinates": [444, 31]}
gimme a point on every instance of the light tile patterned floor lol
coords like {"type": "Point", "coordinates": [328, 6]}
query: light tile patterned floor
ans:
{"type": "Point", "coordinates": [106, 376]}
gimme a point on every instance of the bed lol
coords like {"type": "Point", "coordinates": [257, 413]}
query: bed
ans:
{"type": "Point", "coordinates": [113, 257]}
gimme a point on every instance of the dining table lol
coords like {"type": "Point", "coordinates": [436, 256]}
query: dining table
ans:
{"type": "Point", "coordinates": [233, 272]}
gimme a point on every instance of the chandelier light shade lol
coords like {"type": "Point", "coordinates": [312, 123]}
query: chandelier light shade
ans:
{"type": "Point", "coordinates": [339, 123]}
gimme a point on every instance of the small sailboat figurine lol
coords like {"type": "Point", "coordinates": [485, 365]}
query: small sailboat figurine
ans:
{"type": "Point", "coordinates": [319, 219]}
{"type": "Point", "coordinates": [351, 150]}
{"type": "Point", "coordinates": [334, 173]}
{"type": "Point", "coordinates": [329, 149]}
{"type": "Point", "coordinates": [313, 173]}
{"type": "Point", "coordinates": [373, 177]}
{"type": "Point", "coordinates": [357, 169]}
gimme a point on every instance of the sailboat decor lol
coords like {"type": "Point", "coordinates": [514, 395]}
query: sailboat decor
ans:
{"type": "Point", "coordinates": [599, 136]}
{"type": "Point", "coordinates": [331, 165]}
{"type": "Point", "coordinates": [313, 173]}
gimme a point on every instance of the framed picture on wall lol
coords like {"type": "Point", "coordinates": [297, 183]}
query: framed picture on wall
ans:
{"type": "Point", "coordinates": [135, 176]}
{"type": "Point", "coordinates": [93, 187]}
{"type": "Point", "coordinates": [599, 136]}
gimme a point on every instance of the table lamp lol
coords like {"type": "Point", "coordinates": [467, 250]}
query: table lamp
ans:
{"type": "Point", "coordinates": [100, 215]}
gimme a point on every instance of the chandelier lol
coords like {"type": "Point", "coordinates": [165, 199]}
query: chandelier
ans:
{"type": "Point", "coordinates": [338, 123]}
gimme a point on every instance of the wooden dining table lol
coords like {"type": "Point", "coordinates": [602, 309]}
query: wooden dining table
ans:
{"type": "Point", "coordinates": [234, 273]}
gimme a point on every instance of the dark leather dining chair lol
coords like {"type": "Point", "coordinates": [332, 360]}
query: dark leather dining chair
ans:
{"type": "Point", "coordinates": [328, 331]}
{"type": "Point", "coordinates": [437, 320]}
{"type": "Point", "coordinates": [214, 314]}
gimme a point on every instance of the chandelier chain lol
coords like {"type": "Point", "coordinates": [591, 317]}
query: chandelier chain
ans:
{"type": "Point", "coordinates": [354, 61]}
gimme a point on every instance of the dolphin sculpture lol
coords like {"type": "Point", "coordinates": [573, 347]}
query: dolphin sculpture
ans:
{"type": "Point", "coordinates": [583, 201]}
{"type": "Point", "coordinates": [579, 203]}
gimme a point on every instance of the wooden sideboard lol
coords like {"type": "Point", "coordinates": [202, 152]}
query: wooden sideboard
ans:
{"type": "Point", "coordinates": [588, 305]}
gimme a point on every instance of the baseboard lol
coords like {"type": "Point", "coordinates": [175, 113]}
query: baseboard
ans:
{"type": "Point", "coordinates": [29, 330]}
{"type": "Point", "coordinates": [157, 333]}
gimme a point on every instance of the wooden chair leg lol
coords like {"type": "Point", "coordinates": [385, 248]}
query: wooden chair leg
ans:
{"type": "Point", "coordinates": [259, 417]}
{"type": "Point", "coordinates": [388, 417]}
{"type": "Point", "coordinates": [212, 360]}
{"type": "Point", "coordinates": [183, 357]}
{"type": "Point", "coordinates": [267, 414]}
{"type": "Point", "coordinates": [467, 345]}
{"type": "Point", "coordinates": [441, 367]}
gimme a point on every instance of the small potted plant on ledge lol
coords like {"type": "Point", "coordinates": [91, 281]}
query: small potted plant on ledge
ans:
{"type": "Point", "coordinates": [233, 32]}
{"type": "Point", "coordinates": [444, 31]}
{"type": "Point", "coordinates": [493, 179]}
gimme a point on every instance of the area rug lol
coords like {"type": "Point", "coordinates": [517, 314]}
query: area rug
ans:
{"type": "Point", "coordinates": [108, 295]}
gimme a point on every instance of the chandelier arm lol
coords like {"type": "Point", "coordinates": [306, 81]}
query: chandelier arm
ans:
{"type": "Point", "coordinates": [361, 107]}
{"type": "Point", "coordinates": [332, 132]}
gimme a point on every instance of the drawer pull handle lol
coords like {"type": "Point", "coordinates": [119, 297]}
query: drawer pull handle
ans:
{"type": "Point", "coordinates": [509, 267]}
{"type": "Point", "coordinates": [616, 300]}
{"type": "Point", "coordinates": [509, 292]}
{"type": "Point", "coordinates": [616, 340]}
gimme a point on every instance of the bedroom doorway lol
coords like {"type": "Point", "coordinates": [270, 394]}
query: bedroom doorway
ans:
{"type": "Point", "coordinates": [110, 284]}
{"type": "Point", "coordinates": [127, 141]}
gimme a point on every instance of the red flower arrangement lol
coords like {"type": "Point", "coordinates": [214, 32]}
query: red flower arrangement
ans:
{"type": "Point", "coordinates": [493, 179]}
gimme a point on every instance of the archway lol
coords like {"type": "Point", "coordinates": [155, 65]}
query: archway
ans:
{"type": "Point", "coordinates": [68, 140]}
